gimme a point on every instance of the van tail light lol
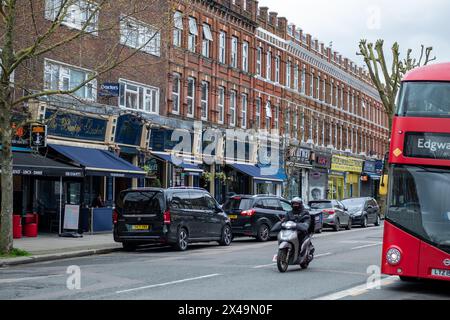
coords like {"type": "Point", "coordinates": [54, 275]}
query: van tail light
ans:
{"type": "Point", "coordinates": [167, 217]}
{"type": "Point", "coordinates": [248, 213]}
{"type": "Point", "coordinates": [115, 216]}
{"type": "Point", "coordinates": [329, 211]}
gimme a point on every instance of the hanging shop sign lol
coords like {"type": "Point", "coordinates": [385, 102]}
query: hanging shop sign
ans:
{"type": "Point", "coordinates": [75, 126]}
{"type": "Point", "coordinates": [321, 160]}
{"type": "Point", "coordinates": [346, 164]}
{"type": "Point", "coordinates": [38, 136]}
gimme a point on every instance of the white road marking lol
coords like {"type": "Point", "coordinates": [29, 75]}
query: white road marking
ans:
{"type": "Point", "coordinates": [358, 290]}
{"type": "Point", "coordinates": [368, 246]}
{"type": "Point", "coordinates": [274, 264]}
{"type": "Point", "coordinates": [12, 280]}
{"type": "Point", "coordinates": [169, 283]}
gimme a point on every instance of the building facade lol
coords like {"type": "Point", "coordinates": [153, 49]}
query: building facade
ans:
{"type": "Point", "coordinates": [195, 65]}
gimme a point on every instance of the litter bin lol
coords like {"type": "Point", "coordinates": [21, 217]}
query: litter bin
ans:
{"type": "Point", "coordinates": [30, 229]}
{"type": "Point", "coordinates": [17, 226]}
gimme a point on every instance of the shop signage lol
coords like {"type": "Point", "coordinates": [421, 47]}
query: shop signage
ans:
{"type": "Point", "coordinates": [300, 156]}
{"type": "Point", "coordinates": [427, 145]}
{"type": "Point", "coordinates": [108, 89]}
{"type": "Point", "coordinates": [38, 135]}
{"type": "Point", "coordinates": [161, 140]}
{"type": "Point", "coordinates": [346, 164]}
{"type": "Point", "coordinates": [369, 166]}
{"type": "Point", "coordinates": [129, 130]}
{"type": "Point", "coordinates": [321, 160]}
{"type": "Point", "coordinates": [71, 217]}
{"type": "Point", "coordinates": [75, 126]}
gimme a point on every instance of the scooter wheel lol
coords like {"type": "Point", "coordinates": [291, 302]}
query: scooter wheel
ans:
{"type": "Point", "coordinates": [304, 265]}
{"type": "Point", "coordinates": [282, 261]}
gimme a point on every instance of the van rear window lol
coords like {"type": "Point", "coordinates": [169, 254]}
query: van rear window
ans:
{"type": "Point", "coordinates": [143, 202]}
{"type": "Point", "coordinates": [238, 204]}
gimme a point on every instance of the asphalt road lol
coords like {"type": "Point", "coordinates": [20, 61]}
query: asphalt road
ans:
{"type": "Point", "coordinates": [344, 264]}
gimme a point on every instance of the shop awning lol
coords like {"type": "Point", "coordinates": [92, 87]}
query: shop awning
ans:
{"type": "Point", "coordinates": [188, 167]}
{"type": "Point", "coordinates": [32, 164]}
{"type": "Point", "coordinates": [258, 174]}
{"type": "Point", "coordinates": [99, 162]}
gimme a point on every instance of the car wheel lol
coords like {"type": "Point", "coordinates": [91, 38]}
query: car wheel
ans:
{"type": "Point", "coordinates": [337, 225]}
{"type": "Point", "coordinates": [182, 240]}
{"type": "Point", "coordinates": [377, 221]}
{"type": "Point", "coordinates": [349, 225]}
{"type": "Point", "coordinates": [129, 247]}
{"type": "Point", "coordinates": [227, 236]}
{"type": "Point", "coordinates": [364, 223]}
{"type": "Point", "coordinates": [263, 233]}
{"type": "Point", "coordinates": [319, 231]}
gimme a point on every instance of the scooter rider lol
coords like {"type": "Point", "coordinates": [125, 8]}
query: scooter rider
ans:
{"type": "Point", "coordinates": [300, 216]}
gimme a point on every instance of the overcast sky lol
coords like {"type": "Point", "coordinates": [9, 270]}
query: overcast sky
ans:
{"type": "Point", "coordinates": [345, 22]}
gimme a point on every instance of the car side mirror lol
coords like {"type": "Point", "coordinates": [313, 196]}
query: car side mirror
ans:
{"type": "Point", "coordinates": [346, 209]}
{"type": "Point", "coordinates": [219, 208]}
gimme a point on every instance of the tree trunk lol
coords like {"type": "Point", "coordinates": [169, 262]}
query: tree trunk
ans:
{"type": "Point", "coordinates": [6, 227]}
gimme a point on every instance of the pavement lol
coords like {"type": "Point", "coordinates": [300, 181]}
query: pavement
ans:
{"type": "Point", "coordinates": [47, 247]}
{"type": "Point", "coordinates": [346, 267]}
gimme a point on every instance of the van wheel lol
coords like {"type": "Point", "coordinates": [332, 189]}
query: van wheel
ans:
{"type": "Point", "coordinates": [182, 240]}
{"type": "Point", "coordinates": [227, 236]}
{"type": "Point", "coordinates": [129, 247]}
{"type": "Point", "coordinates": [263, 233]}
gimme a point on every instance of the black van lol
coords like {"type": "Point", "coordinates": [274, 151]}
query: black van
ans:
{"type": "Point", "coordinates": [175, 216]}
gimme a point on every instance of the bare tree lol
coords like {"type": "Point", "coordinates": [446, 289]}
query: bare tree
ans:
{"type": "Point", "coordinates": [387, 80]}
{"type": "Point", "coordinates": [33, 29]}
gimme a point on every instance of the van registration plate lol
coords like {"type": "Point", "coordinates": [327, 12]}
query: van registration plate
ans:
{"type": "Point", "coordinates": [140, 227]}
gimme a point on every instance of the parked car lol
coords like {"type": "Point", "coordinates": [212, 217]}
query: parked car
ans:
{"type": "Point", "coordinates": [334, 213]}
{"type": "Point", "coordinates": [363, 211]}
{"type": "Point", "coordinates": [254, 216]}
{"type": "Point", "coordinates": [174, 216]}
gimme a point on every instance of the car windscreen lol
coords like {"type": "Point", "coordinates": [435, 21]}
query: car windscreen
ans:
{"type": "Point", "coordinates": [354, 203]}
{"type": "Point", "coordinates": [320, 205]}
{"type": "Point", "coordinates": [142, 202]}
{"type": "Point", "coordinates": [238, 204]}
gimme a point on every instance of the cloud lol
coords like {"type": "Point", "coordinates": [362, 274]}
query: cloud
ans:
{"type": "Point", "coordinates": [410, 23]}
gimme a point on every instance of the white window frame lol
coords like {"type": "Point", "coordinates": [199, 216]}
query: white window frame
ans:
{"type": "Point", "coordinates": [277, 116]}
{"type": "Point", "coordinates": [245, 48]}
{"type": "Point", "coordinates": [191, 99]}
{"type": "Point", "coordinates": [193, 34]}
{"type": "Point", "coordinates": [311, 84]}
{"type": "Point", "coordinates": [221, 104]}
{"type": "Point", "coordinates": [63, 73]}
{"type": "Point", "coordinates": [233, 102]}
{"type": "Point", "coordinates": [204, 100]}
{"type": "Point", "coordinates": [269, 65]}
{"type": "Point", "coordinates": [303, 88]}
{"type": "Point", "coordinates": [149, 94]}
{"type": "Point", "coordinates": [176, 94]}
{"type": "Point", "coordinates": [222, 47]}
{"type": "Point", "coordinates": [288, 75]}
{"type": "Point", "coordinates": [178, 28]}
{"type": "Point", "coordinates": [244, 108]}
{"type": "Point", "coordinates": [76, 17]}
{"type": "Point", "coordinates": [277, 69]}
{"type": "Point", "coordinates": [259, 55]}
{"type": "Point", "coordinates": [234, 52]}
{"type": "Point", "coordinates": [258, 113]}
{"type": "Point", "coordinates": [207, 39]}
{"type": "Point", "coordinates": [268, 113]}
{"type": "Point", "coordinates": [139, 35]}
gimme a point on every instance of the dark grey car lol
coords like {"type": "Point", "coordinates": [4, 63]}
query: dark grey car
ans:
{"type": "Point", "coordinates": [334, 213]}
{"type": "Point", "coordinates": [363, 211]}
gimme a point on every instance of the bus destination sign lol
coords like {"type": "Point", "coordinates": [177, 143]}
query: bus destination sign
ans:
{"type": "Point", "coordinates": [427, 145]}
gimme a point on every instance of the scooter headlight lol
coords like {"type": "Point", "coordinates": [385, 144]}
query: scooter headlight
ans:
{"type": "Point", "coordinates": [393, 256]}
{"type": "Point", "coordinates": [290, 225]}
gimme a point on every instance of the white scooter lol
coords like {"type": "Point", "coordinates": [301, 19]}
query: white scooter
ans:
{"type": "Point", "coordinates": [289, 251]}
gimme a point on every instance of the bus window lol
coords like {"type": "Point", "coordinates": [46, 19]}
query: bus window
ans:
{"type": "Point", "coordinates": [424, 99]}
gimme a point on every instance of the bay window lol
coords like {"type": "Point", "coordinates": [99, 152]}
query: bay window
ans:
{"type": "Point", "coordinates": [138, 97]}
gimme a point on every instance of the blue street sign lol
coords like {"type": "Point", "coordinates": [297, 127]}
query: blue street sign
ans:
{"type": "Point", "coordinates": [109, 90]}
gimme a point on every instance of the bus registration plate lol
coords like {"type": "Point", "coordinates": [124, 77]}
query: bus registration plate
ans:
{"type": "Point", "coordinates": [440, 273]}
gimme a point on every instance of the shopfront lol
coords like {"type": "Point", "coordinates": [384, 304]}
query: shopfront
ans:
{"type": "Point", "coordinates": [336, 185]}
{"type": "Point", "coordinates": [299, 164]}
{"type": "Point", "coordinates": [351, 168]}
{"type": "Point", "coordinates": [370, 178]}
{"type": "Point", "coordinates": [318, 176]}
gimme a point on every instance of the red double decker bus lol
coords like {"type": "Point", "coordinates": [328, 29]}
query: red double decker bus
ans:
{"type": "Point", "coordinates": [417, 227]}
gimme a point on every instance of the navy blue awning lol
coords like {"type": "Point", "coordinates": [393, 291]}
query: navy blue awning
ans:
{"type": "Point", "coordinates": [188, 167]}
{"type": "Point", "coordinates": [258, 173]}
{"type": "Point", "coordinates": [99, 162]}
